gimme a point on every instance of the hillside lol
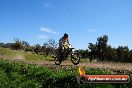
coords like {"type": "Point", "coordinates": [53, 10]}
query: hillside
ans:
{"type": "Point", "coordinates": [28, 57]}
{"type": "Point", "coordinates": [37, 71]}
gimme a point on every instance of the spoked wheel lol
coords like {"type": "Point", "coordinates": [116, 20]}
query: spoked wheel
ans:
{"type": "Point", "coordinates": [75, 59]}
{"type": "Point", "coordinates": [57, 61]}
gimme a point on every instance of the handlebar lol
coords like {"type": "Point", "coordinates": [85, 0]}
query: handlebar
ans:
{"type": "Point", "coordinates": [71, 48]}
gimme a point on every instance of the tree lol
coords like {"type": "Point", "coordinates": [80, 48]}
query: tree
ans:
{"type": "Point", "coordinates": [17, 45]}
{"type": "Point", "coordinates": [92, 51]}
{"type": "Point", "coordinates": [2, 44]}
{"type": "Point", "coordinates": [123, 54]}
{"type": "Point", "coordinates": [37, 48]}
{"type": "Point", "coordinates": [126, 54]}
{"type": "Point", "coordinates": [130, 56]}
{"type": "Point", "coordinates": [82, 53]}
{"type": "Point", "coordinates": [49, 47]}
{"type": "Point", "coordinates": [45, 49]}
{"type": "Point", "coordinates": [111, 54]}
{"type": "Point", "coordinates": [52, 43]}
{"type": "Point", "coordinates": [29, 49]}
{"type": "Point", "coordinates": [101, 47]}
{"type": "Point", "coordinates": [52, 46]}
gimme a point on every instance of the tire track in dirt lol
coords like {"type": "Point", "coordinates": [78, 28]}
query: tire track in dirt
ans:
{"type": "Point", "coordinates": [116, 67]}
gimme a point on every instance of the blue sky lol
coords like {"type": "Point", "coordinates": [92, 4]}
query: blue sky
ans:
{"type": "Point", "coordinates": [36, 21]}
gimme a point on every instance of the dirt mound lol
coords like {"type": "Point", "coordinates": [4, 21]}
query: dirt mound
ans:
{"type": "Point", "coordinates": [18, 58]}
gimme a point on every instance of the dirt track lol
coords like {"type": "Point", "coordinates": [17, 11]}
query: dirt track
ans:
{"type": "Point", "coordinates": [123, 67]}
{"type": "Point", "coordinates": [116, 67]}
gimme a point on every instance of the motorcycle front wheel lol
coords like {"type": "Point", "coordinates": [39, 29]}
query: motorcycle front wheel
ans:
{"type": "Point", "coordinates": [75, 59]}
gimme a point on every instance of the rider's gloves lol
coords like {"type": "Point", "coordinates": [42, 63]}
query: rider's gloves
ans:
{"type": "Point", "coordinates": [70, 46]}
{"type": "Point", "coordinates": [65, 46]}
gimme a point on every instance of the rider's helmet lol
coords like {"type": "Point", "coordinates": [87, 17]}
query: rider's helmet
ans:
{"type": "Point", "coordinates": [66, 35]}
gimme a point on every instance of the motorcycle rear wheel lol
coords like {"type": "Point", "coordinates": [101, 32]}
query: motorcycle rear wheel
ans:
{"type": "Point", "coordinates": [57, 61]}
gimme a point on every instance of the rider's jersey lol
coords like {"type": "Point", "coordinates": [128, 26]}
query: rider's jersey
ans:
{"type": "Point", "coordinates": [63, 43]}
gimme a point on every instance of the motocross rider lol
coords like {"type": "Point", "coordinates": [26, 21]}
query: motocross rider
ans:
{"type": "Point", "coordinates": [64, 43]}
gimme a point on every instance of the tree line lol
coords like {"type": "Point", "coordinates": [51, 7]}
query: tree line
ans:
{"type": "Point", "coordinates": [99, 51]}
{"type": "Point", "coordinates": [47, 48]}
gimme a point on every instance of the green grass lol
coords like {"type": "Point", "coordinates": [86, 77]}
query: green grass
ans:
{"type": "Point", "coordinates": [84, 60]}
{"type": "Point", "coordinates": [20, 75]}
{"type": "Point", "coordinates": [36, 57]}
{"type": "Point", "coordinates": [16, 75]}
{"type": "Point", "coordinates": [8, 53]}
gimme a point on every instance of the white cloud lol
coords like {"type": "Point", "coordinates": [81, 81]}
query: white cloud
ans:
{"type": "Point", "coordinates": [92, 30]}
{"type": "Point", "coordinates": [42, 37]}
{"type": "Point", "coordinates": [48, 30]}
{"type": "Point", "coordinates": [46, 4]}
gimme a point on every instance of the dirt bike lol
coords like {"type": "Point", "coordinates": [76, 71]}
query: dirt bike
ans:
{"type": "Point", "coordinates": [62, 55]}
